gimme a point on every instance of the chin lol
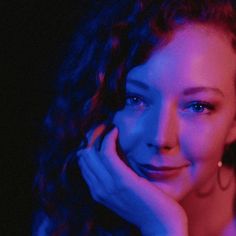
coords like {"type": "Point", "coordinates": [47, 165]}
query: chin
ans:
{"type": "Point", "coordinates": [175, 192]}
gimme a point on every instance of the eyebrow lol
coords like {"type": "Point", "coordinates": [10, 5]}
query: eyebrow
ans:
{"type": "Point", "coordinates": [139, 84]}
{"type": "Point", "coordinates": [194, 90]}
{"type": "Point", "coordinates": [187, 91]}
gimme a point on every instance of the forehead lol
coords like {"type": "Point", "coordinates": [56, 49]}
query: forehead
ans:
{"type": "Point", "coordinates": [195, 56]}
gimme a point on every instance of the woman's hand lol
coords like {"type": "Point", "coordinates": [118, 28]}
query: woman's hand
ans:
{"type": "Point", "coordinates": [116, 186]}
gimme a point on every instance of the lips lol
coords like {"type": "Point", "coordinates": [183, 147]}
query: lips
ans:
{"type": "Point", "coordinates": [160, 172]}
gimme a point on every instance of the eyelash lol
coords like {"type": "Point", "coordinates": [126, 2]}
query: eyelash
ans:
{"type": "Point", "coordinates": [200, 107]}
{"type": "Point", "coordinates": [135, 100]}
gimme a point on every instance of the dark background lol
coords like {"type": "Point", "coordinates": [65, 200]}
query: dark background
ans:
{"type": "Point", "coordinates": [34, 42]}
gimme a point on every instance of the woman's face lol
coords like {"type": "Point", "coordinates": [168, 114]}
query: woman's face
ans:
{"type": "Point", "coordinates": [180, 110]}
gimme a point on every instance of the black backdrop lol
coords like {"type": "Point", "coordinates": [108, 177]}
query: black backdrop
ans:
{"type": "Point", "coordinates": [34, 41]}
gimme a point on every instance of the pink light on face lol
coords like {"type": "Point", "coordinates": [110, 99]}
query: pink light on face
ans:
{"type": "Point", "coordinates": [180, 110]}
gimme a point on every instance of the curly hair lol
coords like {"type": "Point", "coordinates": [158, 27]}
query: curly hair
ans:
{"type": "Point", "coordinates": [114, 37]}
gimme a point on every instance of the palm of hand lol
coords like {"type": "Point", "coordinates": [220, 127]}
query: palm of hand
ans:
{"type": "Point", "coordinates": [113, 184]}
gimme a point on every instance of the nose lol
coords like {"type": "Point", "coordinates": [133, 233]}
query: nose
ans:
{"type": "Point", "coordinates": [164, 129]}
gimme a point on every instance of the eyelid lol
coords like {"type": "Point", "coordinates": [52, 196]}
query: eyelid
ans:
{"type": "Point", "coordinates": [142, 98]}
{"type": "Point", "coordinates": [132, 94]}
{"type": "Point", "coordinates": [210, 107]}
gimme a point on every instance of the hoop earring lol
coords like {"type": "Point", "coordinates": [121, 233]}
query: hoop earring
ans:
{"type": "Point", "coordinates": [219, 178]}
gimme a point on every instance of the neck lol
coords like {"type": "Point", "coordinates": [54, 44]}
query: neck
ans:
{"type": "Point", "coordinates": [210, 210]}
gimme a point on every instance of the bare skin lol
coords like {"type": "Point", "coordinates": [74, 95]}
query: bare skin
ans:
{"type": "Point", "coordinates": [116, 186]}
{"type": "Point", "coordinates": [172, 131]}
{"type": "Point", "coordinates": [210, 210]}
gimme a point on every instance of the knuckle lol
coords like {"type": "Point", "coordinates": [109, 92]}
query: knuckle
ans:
{"type": "Point", "coordinates": [87, 153]}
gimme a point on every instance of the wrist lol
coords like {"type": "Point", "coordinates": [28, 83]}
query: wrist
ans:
{"type": "Point", "coordinates": [179, 227]}
{"type": "Point", "coordinates": [162, 232]}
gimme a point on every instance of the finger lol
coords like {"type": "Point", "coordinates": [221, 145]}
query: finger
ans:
{"type": "Point", "coordinates": [95, 166]}
{"type": "Point", "coordinates": [79, 154]}
{"type": "Point", "coordinates": [109, 142]}
{"type": "Point", "coordinates": [110, 158]}
{"type": "Point", "coordinates": [90, 179]}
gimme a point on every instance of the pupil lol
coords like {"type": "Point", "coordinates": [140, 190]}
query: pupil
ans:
{"type": "Point", "coordinates": [135, 100]}
{"type": "Point", "coordinates": [198, 107]}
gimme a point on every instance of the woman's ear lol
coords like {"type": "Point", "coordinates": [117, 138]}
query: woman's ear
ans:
{"type": "Point", "coordinates": [231, 137]}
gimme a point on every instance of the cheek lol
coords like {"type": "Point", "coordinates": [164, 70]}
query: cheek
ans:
{"type": "Point", "coordinates": [130, 130]}
{"type": "Point", "coordinates": [202, 142]}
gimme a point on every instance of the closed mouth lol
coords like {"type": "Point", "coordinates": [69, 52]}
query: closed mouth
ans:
{"type": "Point", "coordinates": [160, 172]}
{"type": "Point", "coordinates": [160, 168]}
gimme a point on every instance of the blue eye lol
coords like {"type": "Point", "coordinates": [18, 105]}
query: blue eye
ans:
{"type": "Point", "coordinates": [134, 100]}
{"type": "Point", "coordinates": [200, 107]}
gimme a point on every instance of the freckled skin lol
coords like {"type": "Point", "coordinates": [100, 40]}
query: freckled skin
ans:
{"type": "Point", "coordinates": [163, 127]}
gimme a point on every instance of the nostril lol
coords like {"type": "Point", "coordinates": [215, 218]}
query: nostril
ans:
{"type": "Point", "coordinates": [159, 147]}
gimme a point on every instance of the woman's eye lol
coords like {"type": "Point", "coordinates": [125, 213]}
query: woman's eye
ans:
{"type": "Point", "coordinates": [200, 107]}
{"type": "Point", "coordinates": [134, 100]}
